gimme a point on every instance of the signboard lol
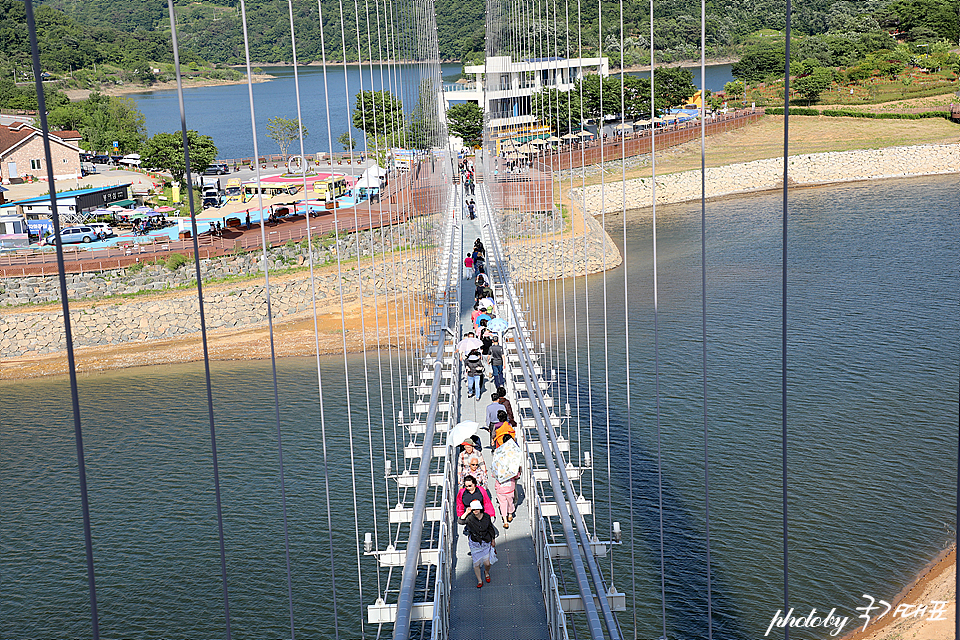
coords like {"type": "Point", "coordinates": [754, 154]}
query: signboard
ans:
{"type": "Point", "coordinates": [37, 227]}
{"type": "Point", "coordinates": [116, 144]}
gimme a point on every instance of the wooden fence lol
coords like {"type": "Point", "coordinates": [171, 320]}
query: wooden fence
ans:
{"type": "Point", "coordinates": [579, 155]}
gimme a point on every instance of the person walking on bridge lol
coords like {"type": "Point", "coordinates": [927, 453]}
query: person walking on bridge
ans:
{"type": "Point", "coordinates": [496, 363]}
{"type": "Point", "coordinates": [503, 429]}
{"type": "Point", "coordinates": [474, 374]}
{"type": "Point", "coordinates": [507, 467]}
{"type": "Point", "coordinates": [491, 413]}
{"type": "Point", "coordinates": [471, 463]}
{"type": "Point", "coordinates": [482, 540]}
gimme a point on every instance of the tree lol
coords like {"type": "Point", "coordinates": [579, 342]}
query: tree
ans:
{"type": "Point", "coordinates": [673, 86]}
{"type": "Point", "coordinates": [466, 120]}
{"type": "Point", "coordinates": [347, 141]}
{"type": "Point", "coordinates": [165, 151]}
{"type": "Point", "coordinates": [812, 85]}
{"type": "Point", "coordinates": [424, 128]}
{"type": "Point", "coordinates": [103, 120]}
{"type": "Point", "coordinates": [284, 132]}
{"type": "Point", "coordinates": [925, 19]}
{"type": "Point", "coordinates": [379, 113]}
{"type": "Point", "coordinates": [734, 90]}
{"type": "Point", "coordinates": [760, 61]}
{"type": "Point", "coordinates": [558, 109]}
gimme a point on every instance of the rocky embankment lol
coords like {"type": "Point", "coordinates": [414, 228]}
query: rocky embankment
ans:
{"type": "Point", "coordinates": [762, 175]}
{"type": "Point", "coordinates": [153, 304]}
{"type": "Point", "coordinates": [553, 256]}
{"type": "Point", "coordinates": [31, 331]}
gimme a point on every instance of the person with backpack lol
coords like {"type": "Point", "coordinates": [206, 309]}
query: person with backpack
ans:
{"type": "Point", "coordinates": [474, 368]}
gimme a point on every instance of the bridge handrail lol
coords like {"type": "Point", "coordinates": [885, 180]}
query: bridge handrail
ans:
{"type": "Point", "coordinates": [401, 627]}
{"type": "Point", "coordinates": [556, 618]}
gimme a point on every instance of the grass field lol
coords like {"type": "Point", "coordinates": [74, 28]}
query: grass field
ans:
{"type": "Point", "coordinates": [808, 134]}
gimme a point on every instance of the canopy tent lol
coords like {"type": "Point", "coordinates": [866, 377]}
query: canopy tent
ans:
{"type": "Point", "coordinates": [374, 173]}
{"type": "Point", "coordinates": [569, 136]}
{"type": "Point", "coordinates": [539, 141]}
{"type": "Point", "coordinates": [624, 126]}
{"type": "Point", "coordinates": [585, 134]}
{"type": "Point", "coordinates": [526, 149]}
{"type": "Point", "coordinates": [553, 139]}
{"type": "Point", "coordinates": [367, 185]}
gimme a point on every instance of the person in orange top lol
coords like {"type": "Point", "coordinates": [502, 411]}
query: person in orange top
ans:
{"type": "Point", "coordinates": [502, 429]}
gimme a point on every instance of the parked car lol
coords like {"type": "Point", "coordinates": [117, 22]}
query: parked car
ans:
{"type": "Point", "coordinates": [101, 158]}
{"type": "Point", "coordinates": [70, 235]}
{"type": "Point", "coordinates": [86, 168]}
{"type": "Point", "coordinates": [211, 198]}
{"type": "Point", "coordinates": [216, 170]}
{"type": "Point", "coordinates": [115, 159]}
{"type": "Point", "coordinates": [86, 157]}
{"type": "Point", "coordinates": [103, 228]}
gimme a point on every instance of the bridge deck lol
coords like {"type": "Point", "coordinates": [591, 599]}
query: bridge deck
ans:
{"type": "Point", "coordinates": [511, 606]}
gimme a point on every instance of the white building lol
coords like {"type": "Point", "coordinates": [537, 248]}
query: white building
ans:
{"type": "Point", "coordinates": [503, 88]}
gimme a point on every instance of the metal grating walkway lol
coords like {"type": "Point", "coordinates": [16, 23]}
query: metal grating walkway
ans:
{"type": "Point", "coordinates": [512, 605]}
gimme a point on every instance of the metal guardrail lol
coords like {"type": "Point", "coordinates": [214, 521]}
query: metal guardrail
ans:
{"type": "Point", "coordinates": [408, 580]}
{"type": "Point", "coordinates": [592, 588]}
{"type": "Point", "coordinates": [556, 618]}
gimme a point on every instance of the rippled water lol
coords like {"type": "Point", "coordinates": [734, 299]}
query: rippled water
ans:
{"type": "Point", "coordinates": [872, 398]}
{"type": "Point", "coordinates": [872, 414]}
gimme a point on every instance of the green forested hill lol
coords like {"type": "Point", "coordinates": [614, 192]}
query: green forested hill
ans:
{"type": "Point", "coordinates": [101, 30]}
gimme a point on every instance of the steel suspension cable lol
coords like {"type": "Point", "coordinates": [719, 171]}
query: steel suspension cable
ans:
{"type": "Point", "coordinates": [603, 253]}
{"type": "Point", "coordinates": [656, 323]}
{"type": "Point", "coordinates": [203, 323]}
{"type": "Point", "coordinates": [376, 301]}
{"type": "Point", "coordinates": [343, 338]}
{"type": "Point", "coordinates": [323, 426]}
{"type": "Point", "coordinates": [626, 334]}
{"type": "Point", "coordinates": [703, 304]}
{"type": "Point", "coordinates": [363, 328]}
{"type": "Point", "coordinates": [273, 353]}
{"type": "Point", "coordinates": [67, 330]}
{"type": "Point", "coordinates": [783, 311]}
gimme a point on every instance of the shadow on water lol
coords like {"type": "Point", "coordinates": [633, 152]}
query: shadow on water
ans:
{"type": "Point", "coordinates": [684, 540]}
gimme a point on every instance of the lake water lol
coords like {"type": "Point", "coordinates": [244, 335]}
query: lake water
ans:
{"type": "Point", "coordinates": [223, 112]}
{"type": "Point", "coordinates": [873, 416]}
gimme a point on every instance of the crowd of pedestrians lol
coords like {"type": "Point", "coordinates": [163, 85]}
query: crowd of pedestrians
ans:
{"type": "Point", "coordinates": [483, 360]}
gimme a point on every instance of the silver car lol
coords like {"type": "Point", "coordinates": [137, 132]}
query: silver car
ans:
{"type": "Point", "coordinates": [70, 235]}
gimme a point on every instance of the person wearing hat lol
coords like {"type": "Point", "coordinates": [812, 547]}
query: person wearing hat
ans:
{"type": "Point", "coordinates": [471, 462]}
{"type": "Point", "coordinates": [482, 540]}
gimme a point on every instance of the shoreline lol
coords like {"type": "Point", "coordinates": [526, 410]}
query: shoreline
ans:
{"type": "Point", "coordinates": [123, 90]}
{"type": "Point", "coordinates": [807, 170]}
{"type": "Point", "coordinates": [936, 581]}
{"type": "Point", "coordinates": [683, 64]}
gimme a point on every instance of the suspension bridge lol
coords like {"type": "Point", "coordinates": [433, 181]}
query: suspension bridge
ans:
{"type": "Point", "coordinates": [412, 571]}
